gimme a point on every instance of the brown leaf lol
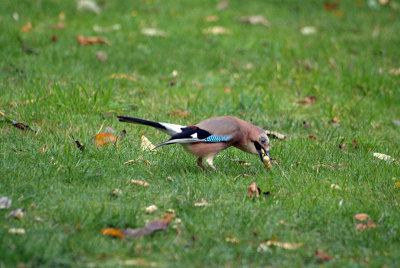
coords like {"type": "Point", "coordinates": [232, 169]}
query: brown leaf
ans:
{"type": "Point", "coordinates": [211, 18]}
{"type": "Point", "coordinates": [144, 160]}
{"type": "Point", "coordinates": [84, 41]}
{"type": "Point", "coordinates": [101, 56]}
{"type": "Point", "coordinates": [216, 30]}
{"type": "Point", "coordinates": [394, 71]}
{"type": "Point", "coordinates": [253, 190]}
{"type": "Point", "coordinates": [27, 27]}
{"type": "Point", "coordinates": [54, 38]}
{"type": "Point", "coordinates": [141, 183]}
{"type": "Point", "coordinates": [223, 5]}
{"type": "Point", "coordinates": [43, 149]}
{"type": "Point", "coordinates": [104, 139]}
{"type": "Point", "coordinates": [130, 162]}
{"type": "Point", "coordinates": [59, 25]}
{"type": "Point", "coordinates": [123, 76]}
{"type": "Point", "coordinates": [331, 5]}
{"type": "Point", "coordinates": [254, 20]}
{"type": "Point", "coordinates": [311, 136]}
{"type": "Point", "coordinates": [371, 224]}
{"type": "Point", "coordinates": [355, 144]}
{"type": "Point", "coordinates": [361, 227]}
{"type": "Point", "coordinates": [307, 100]}
{"type": "Point", "coordinates": [323, 256]}
{"type": "Point", "coordinates": [338, 13]}
{"type": "Point", "coordinates": [181, 113]}
{"type": "Point", "coordinates": [154, 226]}
{"type": "Point", "coordinates": [361, 217]}
{"type": "Point", "coordinates": [275, 135]}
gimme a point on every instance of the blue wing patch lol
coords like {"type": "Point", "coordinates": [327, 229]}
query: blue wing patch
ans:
{"type": "Point", "coordinates": [215, 138]}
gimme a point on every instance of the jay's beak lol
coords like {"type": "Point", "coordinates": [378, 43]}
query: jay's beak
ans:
{"type": "Point", "coordinates": [260, 150]}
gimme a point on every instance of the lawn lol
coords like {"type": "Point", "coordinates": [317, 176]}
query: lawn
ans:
{"type": "Point", "coordinates": [165, 63]}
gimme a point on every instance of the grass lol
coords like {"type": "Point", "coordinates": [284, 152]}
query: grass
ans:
{"type": "Point", "coordinates": [350, 58]}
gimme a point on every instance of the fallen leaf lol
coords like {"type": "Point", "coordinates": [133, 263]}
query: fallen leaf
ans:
{"type": "Point", "coordinates": [54, 38]}
{"type": "Point", "coordinates": [62, 16]}
{"type": "Point", "coordinates": [223, 5]}
{"type": "Point", "coordinates": [43, 149]}
{"type": "Point", "coordinates": [361, 217]}
{"type": "Point", "coordinates": [38, 219]}
{"type": "Point", "coordinates": [397, 184]}
{"type": "Point", "coordinates": [170, 178]}
{"type": "Point", "coordinates": [99, 29]}
{"type": "Point", "coordinates": [285, 245]}
{"type": "Point", "coordinates": [154, 226]}
{"type": "Point", "coordinates": [232, 240]}
{"type": "Point", "coordinates": [88, 5]}
{"type": "Point", "coordinates": [371, 224]}
{"type": "Point", "coordinates": [151, 209]}
{"type": "Point", "coordinates": [394, 71]}
{"type": "Point", "coordinates": [181, 113]}
{"type": "Point", "coordinates": [253, 190]}
{"type": "Point", "coordinates": [383, 156]}
{"type": "Point", "coordinates": [101, 56]}
{"type": "Point", "coordinates": [153, 32]}
{"type": "Point", "coordinates": [20, 231]}
{"type": "Point", "coordinates": [311, 136]}
{"type": "Point", "coordinates": [202, 203]}
{"type": "Point", "coordinates": [308, 30]}
{"type": "Point", "coordinates": [338, 13]}
{"type": "Point", "coordinates": [254, 20]}
{"type": "Point", "coordinates": [275, 135]}
{"type": "Point", "coordinates": [216, 30]}
{"type": "Point", "coordinates": [355, 144]}
{"type": "Point", "coordinates": [343, 145]}
{"type": "Point", "coordinates": [307, 100]}
{"type": "Point", "coordinates": [32, 206]}
{"type": "Point", "coordinates": [27, 27]}
{"type": "Point", "coordinates": [336, 187]}
{"type": "Point", "coordinates": [5, 202]}
{"type": "Point", "coordinates": [383, 2]}
{"type": "Point", "coordinates": [323, 256]}
{"type": "Point", "coordinates": [130, 162]}
{"type": "Point", "coordinates": [331, 5]}
{"type": "Point", "coordinates": [59, 25]}
{"type": "Point", "coordinates": [141, 183]}
{"type": "Point", "coordinates": [362, 226]}
{"type": "Point", "coordinates": [116, 192]}
{"type": "Point", "coordinates": [84, 41]}
{"type": "Point", "coordinates": [104, 139]}
{"type": "Point", "coordinates": [146, 144]}
{"type": "Point", "coordinates": [123, 76]}
{"type": "Point", "coordinates": [78, 144]}
{"type": "Point", "coordinates": [211, 18]}
{"type": "Point", "coordinates": [144, 160]}
{"type": "Point", "coordinates": [17, 213]}
{"type": "Point", "coordinates": [138, 262]}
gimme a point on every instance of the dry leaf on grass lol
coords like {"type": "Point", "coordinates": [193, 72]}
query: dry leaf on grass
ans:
{"type": "Point", "coordinates": [181, 113]}
{"type": "Point", "coordinates": [5, 202]}
{"type": "Point", "coordinates": [100, 29]}
{"type": "Point", "coordinates": [361, 217]}
{"type": "Point", "coordinates": [84, 41]}
{"type": "Point", "coordinates": [232, 240]}
{"type": "Point", "coordinates": [154, 226]}
{"type": "Point", "coordinates": [17, 213]}
{"type": "Point", "coordinates": [362, 226]}
{"type": "Point", "coordinates": [241, 162]}
{"type": "Point", "coordinates": [331, 5]}
{"type": "Point", "coordinates": [355, 144]}
{"type": "Point", "coordinates": [285, 245]}
{"type": "Point", "coordinates": [130, 162]}
{"type": "Point", "coordinates": [394, 71]}
{"type": "Point", "coordinates": [307, 100]}
{"type": "Point", "coordinates": [151, 209]}
{"type": "Point", "coordinates": [336, 187]}
{"type": "Point", "coordinates": [216, 30]}
{"type": "Point", "coordinates": [141, 183]}
{"type": "Point", "coordinates": [123, 76]}
{"type": "Point", "coordinates": [144, 160]}
{"type": "Point", "coordinates": [19, 231]}
{"type": "Point", "coordinates": [104, 139]}
{"type": "Point", "coordinates": [202, 203]}
{"type": "Point", "coordinates": [308, 30]}
{"type": "Point", "coordinates": [59, 25]}
{"type": "Point", "coordinates": [223, 5]}
{"type": "Point", "coordinates": [254, 20]}
{"type": "Point", "coordinates": [253, 190]}
{"type": "Point", "coordinates": [323, 256]}
{"type": "Point", "coordinates": [275, 135]}
{"type": "Point", "coordinates": [211, 18]}
{"type": "Point", "coordinates": [88, 5]}
{"type": "Point", "coordinates": [153, 32]}
{"type": "Point", "coordinates": [116, 192]}
{"type": "Point", "coordinates": [146, 144]}
{"type": "Point", "coordinates": [138, 262]}
{"type": "Point", "coordinates": [384, 157]}
{"type": "Point", "coordinates": [27, 27]}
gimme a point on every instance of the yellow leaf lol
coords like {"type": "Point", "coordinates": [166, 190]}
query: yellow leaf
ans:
{"type": "Point", "coordinates": [27, 27]}
{"type": "Point", "coordinates": [216, 30]}
{"type": "Point", "coordinates": [285, 245]}
{"type": "Point", "coordinates": [103, 139]}
{"type": "Point", "coordinates": [112, 232]}
{"type": "Point", "coordinates": [146, 144]}
{"type": "Point", "coordinates": [141, 183]}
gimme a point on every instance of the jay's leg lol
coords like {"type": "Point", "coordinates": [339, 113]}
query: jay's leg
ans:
{"type": "Point", "coordinates": [209, 161]}
{"type": "Point", "coordinates": [200, 163]}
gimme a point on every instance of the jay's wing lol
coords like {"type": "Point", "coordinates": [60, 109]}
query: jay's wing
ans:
{"type": "Point", "coordinates": [194, 134]}
{"type": "Point", "coordinates": [170, 129]}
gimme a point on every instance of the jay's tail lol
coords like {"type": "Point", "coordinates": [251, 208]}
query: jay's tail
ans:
{"type": "Point", "coordinates": [170, 129]}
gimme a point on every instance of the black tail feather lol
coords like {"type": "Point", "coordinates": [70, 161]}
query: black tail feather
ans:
{"type": "Point", "coordinates": [134, 120]}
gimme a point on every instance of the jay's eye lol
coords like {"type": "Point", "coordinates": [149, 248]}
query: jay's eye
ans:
{"type": "Point", "coordinates": [263, 139]}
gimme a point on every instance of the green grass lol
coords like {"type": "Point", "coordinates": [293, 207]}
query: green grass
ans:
{"type": "Point", "coordinates": [73, 95]}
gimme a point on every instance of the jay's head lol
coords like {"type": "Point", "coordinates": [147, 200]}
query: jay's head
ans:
{"type": "Point", "coordinates": [261, 144]}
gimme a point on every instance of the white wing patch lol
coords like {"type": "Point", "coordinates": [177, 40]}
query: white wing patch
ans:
{"type": "Point", "coordinates": [171, 129]}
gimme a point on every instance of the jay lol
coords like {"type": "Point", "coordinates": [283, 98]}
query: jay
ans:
{"type": "Point", "coordinates": [211, 136]}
